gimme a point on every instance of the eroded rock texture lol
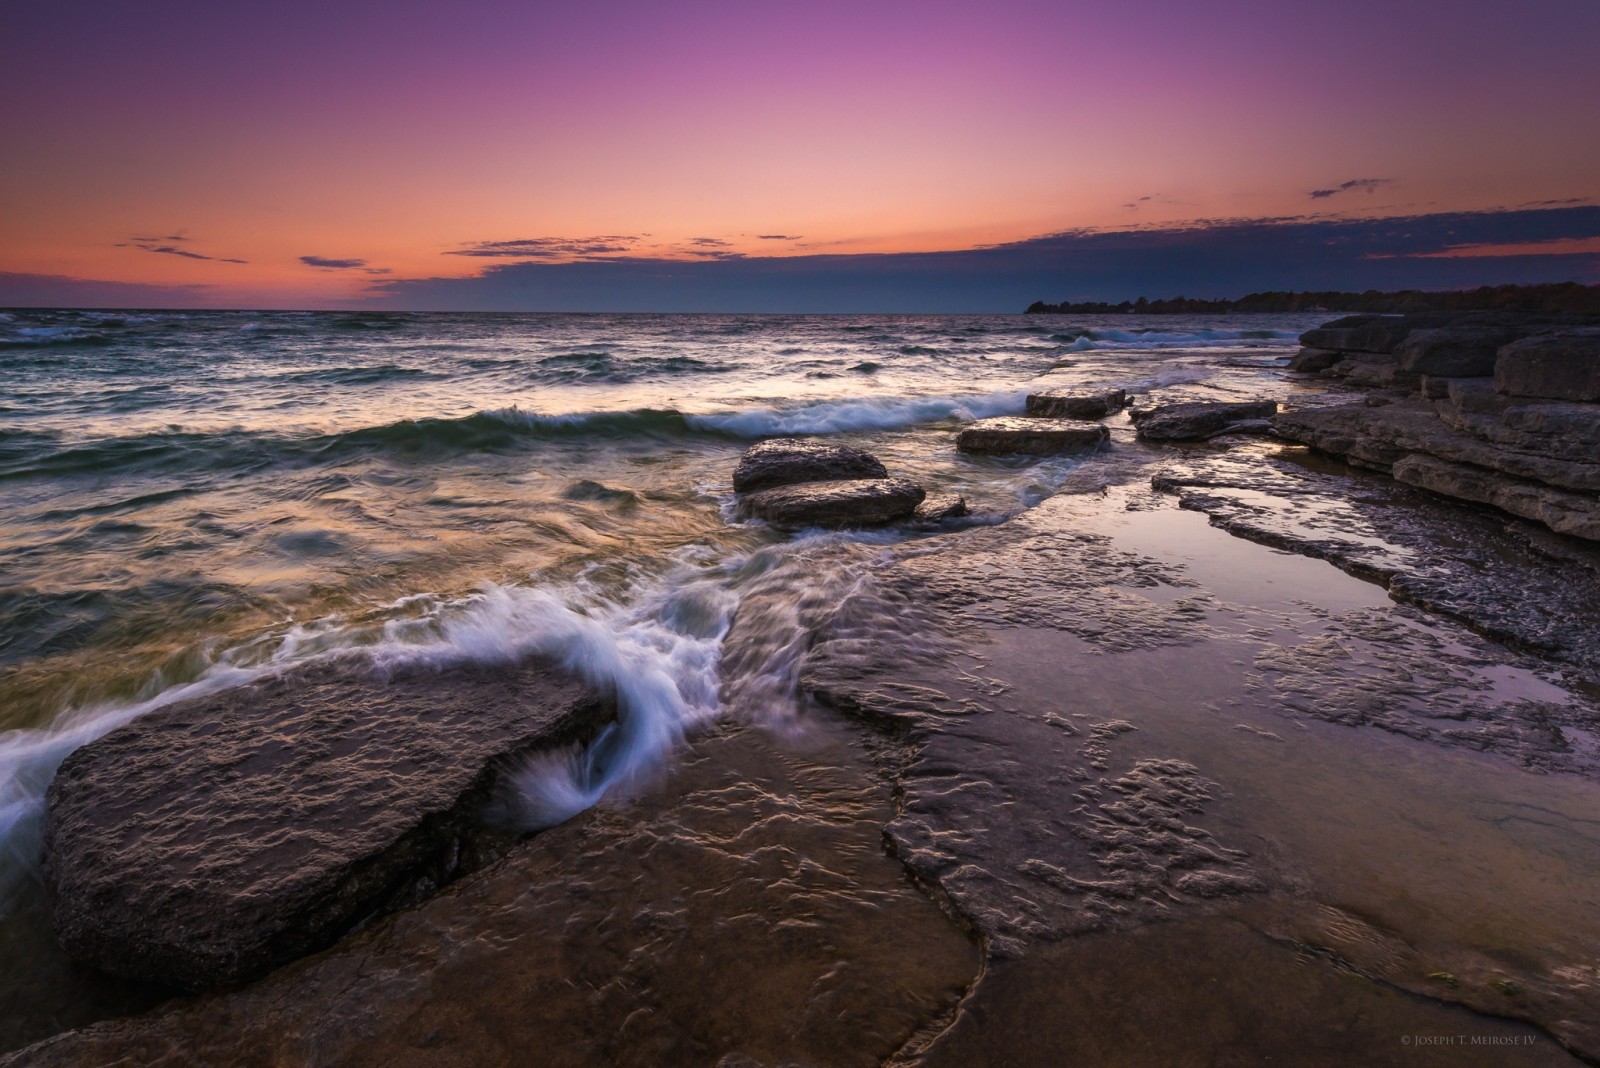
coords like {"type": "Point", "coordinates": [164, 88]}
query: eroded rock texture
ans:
{"type": "Point", "coordinates": [1029, 436]}
{"type": "Point", "coordinates": [1199, 420]}
{"type": "Point", "coordinates": [861, 502]}
{"type": "Point", "coordinates": [786, 461]}
{"type": "Point", "coordinates": [210, 841]}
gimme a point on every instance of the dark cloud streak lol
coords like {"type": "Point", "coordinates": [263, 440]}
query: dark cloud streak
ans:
{"type": "Point", "coordinates": [534, 248]}
{"type": "Point", "coordinates": [1369, 184]}
{"type": "Point", "coordinates": [161, 245]}
{"type": "Point", "coordinates": [1221, 258]}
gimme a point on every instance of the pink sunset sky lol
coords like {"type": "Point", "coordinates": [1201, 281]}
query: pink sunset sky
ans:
{"type": "Point", "coordinates": [297, 154]}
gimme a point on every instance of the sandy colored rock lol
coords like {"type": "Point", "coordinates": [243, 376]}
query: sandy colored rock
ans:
{"type": "Point", "coordinates": [789, 461]}
{"type": "Point", "coordinates": [1060, 404]}
{"type": "Point", "coordinates": [847, 503]}
{"type": "Point", "coordinates": [1029, 436]}
{"type": "Point", "coordinates": [1199, 420]}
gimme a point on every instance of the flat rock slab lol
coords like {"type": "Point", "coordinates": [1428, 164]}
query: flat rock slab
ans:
{"type": "Point", "coordinates": [790, 461]}
{"type": "Point", "coordinates": [1062, 405]}
{"type": "Point", "coordinates": [1199, 420]}
{"type": "Point", "coordinates": [208, 842]}
{"type": "Point", "coordinates": [861, 502]}
{"type": "Point", "coordinates": [1029, 436]}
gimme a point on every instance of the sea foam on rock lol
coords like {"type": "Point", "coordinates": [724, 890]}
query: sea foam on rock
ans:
{"type": "Point", "coordinates": [210, 841]}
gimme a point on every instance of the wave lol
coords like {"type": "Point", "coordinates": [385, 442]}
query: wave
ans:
{"type": "Point", "coordinates": [655, 647]}
{"type": "Point", "coordinates": [36, 337]}
{"type": "Point", "coordinates": [362, 376]}
{"type": "Point", "coordinates": [835, 417]}
{"type": "Point", "coordinates": [1151, 338]}
{"type": "Point", "coordinates": [498, 430]}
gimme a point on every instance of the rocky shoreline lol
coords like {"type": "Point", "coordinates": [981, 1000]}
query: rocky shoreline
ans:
{"type": "Point", "coordinates": [1100, 746]}
{"type": "Point", "coordinates": [1495, 409]}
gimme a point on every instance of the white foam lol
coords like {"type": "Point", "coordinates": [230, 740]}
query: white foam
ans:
{"type": "Point", "coordinates": [832, 417]}
{"type": "Point", "coordinates": [656, 649]}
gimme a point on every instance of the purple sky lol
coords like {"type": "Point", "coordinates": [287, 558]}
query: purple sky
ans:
{"type": "Point", "coordinates": [300, 154]}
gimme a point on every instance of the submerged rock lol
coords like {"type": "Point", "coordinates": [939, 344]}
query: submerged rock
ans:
{"type": "Point", "coordinates": [1063, 405]}
{"type": "Point", "coordinates": [845, 503]}
{"type": "Point", "coordinates": [208, 842]}
{"type": "Point", "coordinates": [788, 461]}
{"type": "Point", "coordinates": [1199, 420]}
{"type": "Point", "coordinates": [1029, 436]}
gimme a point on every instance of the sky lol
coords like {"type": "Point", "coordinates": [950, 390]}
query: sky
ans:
{"type": "Point", "coordinates": [809, 157]}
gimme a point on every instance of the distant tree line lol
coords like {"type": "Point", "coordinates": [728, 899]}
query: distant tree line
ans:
{"type": "Point", "coordinates": [1554, 297]}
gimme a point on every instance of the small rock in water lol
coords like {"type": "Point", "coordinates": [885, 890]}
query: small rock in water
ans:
{"type": "Point", "coordinates": [858, 502]}
{"type": "Point", "coordinates": [1029, 436]}
{"type": "Point", "coordinates": [1199, 420]}
{"type": "Point", "coordinates": [944, 506]}
{"type": "Point", "coordinates": [789, 461]}
{"type": "Point", "coordinates": [1062, 405]}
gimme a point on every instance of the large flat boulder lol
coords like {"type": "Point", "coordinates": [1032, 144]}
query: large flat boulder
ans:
{"type": "Point", "coordinates": [1199, 420]}
{"type": "Point", "coordinates": [859, 502]}
{"type": "Point", "coordinates": [1382, 436]}
{"type": "Point", "coordinates": [1368, 333]}
{"type": "Point", "coordinates": [1556, 366]}
{"type": "Point", "coordinates": [1064, 404]}
{"type": "Point", "coordinates": [788, 461]}
{"type": "Point", "coordinates": [208, 842]}
{"type": "Point", "coordinates": [1029, 436]}
{"type": "Point", "coordinates": [1462, 349]}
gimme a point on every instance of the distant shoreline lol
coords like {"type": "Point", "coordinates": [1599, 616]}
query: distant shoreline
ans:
{"type": "Point", "coordinates": [1555, 297]}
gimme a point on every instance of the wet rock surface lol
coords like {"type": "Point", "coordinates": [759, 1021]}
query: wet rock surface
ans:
{"type": "Point", "coordinates": [787, 461]}
{"type": "Point", "coordinates": [1200, 420]}
{"type": "Point", "coordinates": [1494, 409]}
{"type": "Point", "coordinates": [852, 503]}
{"type": "Point", "coordinates": [938, 509]}
{"type": "Point", "coordinates": [743, 913]}
{"type": "Point", "coordinates": [1029, 436]}
{"type": "Point", "coordinates": [1504, 579]}
{"type": "Point", "coordinates": [1064, 404]}
{"type": "Point", "coordinates": [210, 841]}
{"type": "Point", "coordinates": [1185, 794]}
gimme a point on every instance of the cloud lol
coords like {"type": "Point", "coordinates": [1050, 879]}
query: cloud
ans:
{"type": "Point", "coordinates": [779, 237]}
{"type": "Point", "coordinates": [324, 263]}
{"type": "Point", "coordinates": [709, 242]}
{"type": "Point", "coordinates": [166, 245]}
{"type": "Point", "coordinates": [1205, 258]}
{"type": "Point", "coordinates": [1369, 184]}
{"type": "Point", "coordinates": [1220, 258]}
{"type": "Point", "coordinates": [64, 291]}
{"type": "Point", "coordinates": [549, 248]}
